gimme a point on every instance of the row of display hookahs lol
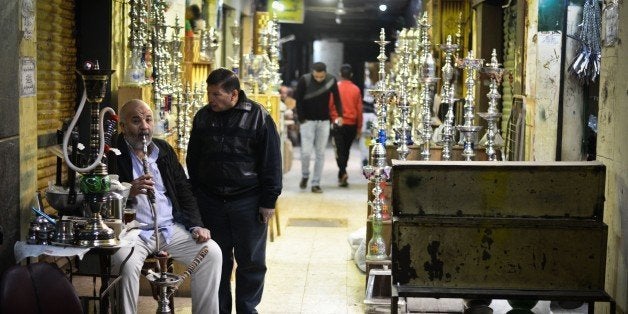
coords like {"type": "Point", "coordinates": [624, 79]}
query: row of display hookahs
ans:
{"type": "Point", "coordinates": [404, 99]}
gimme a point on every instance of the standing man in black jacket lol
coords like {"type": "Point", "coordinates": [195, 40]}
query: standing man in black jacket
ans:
{"type": "Point", "coordinates": [234, 164]}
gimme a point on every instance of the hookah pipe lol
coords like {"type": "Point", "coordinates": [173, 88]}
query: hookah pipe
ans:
{"type": "Point", "coordinates": [161, 256]}
{"type": "Point", "coordinates": [191, 268]}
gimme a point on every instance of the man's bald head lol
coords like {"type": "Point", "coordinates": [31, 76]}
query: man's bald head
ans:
{"type": "Point", "coordinates": [136, 122]}
{"type": "Point", "coordinates": [131, 106]}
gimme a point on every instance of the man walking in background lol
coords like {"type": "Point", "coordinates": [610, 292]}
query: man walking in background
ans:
{"type": "Point", "coordinates": [312, 96]}
{"type": "Point", "coordinates": [345, 133]}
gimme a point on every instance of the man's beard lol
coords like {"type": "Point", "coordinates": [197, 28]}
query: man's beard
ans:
{"type": "Point", "coordinates": [136, 141]}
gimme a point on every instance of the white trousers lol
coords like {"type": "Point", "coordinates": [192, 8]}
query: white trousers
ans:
{"type": "Point", "coordinates": [314, 138]}
{"type": "Point", "coordinates": [182, 248]}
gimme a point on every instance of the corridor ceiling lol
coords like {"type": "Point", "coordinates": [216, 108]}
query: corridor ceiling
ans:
{"type": "Point", "coordinates": [354, 20]}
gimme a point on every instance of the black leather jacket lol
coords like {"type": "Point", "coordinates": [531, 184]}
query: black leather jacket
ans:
{"type": "Point", "coordinates": [184, 206]}
{"type": "Point", "coordinates": [236, 153]}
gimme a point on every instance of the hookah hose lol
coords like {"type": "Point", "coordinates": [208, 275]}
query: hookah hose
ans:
{"type": "Point", "coordinates": [195, 262]}
{"type": "Point", "coordinates": [151, 198]}
{"type": "Point", "coordinates": [66, 137]}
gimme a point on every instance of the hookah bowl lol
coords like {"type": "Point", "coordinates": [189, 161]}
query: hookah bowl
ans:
{"type": "Point", "coordinates": [469, 134]}
{"type": "Point", "coordinates": [95, 184]}
{"type": "Point", "coordinates": [167, 283]}
{"type": "Point", "coordinates": [379, 129]}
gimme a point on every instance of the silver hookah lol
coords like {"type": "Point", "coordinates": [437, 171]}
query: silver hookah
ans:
{"type": "Point", "coordinates": [468, 130]}
{"type": "Point", "coordinates": [160, 68]}
{"type": "Point", "coordinates": [264, 74]}
{"type": "Point", "coordinates": [413, 87]}
{"type": "Point", "coordinates": [428, 80]}
{"type": "Point", "coordinates": [177, 59]}
{"type": "Point", "coordinates": [183, 120]}
{"type": "Point", "coordinates": [138, 34]}
{"type": "Point", "coordinates": [394, 81]}
{"type": "Point", "coordinates": [273, 54]}
{"type": "Point", "coordinates": [210, 42]}
{"type": "Point", "coordinates": [428, 69]}
{"type": "Point", "coordinates": [495, 73]}
{"type": "Point", "coordinates": [176, 73]}
{"type": "Point", "coordinates": [377, 173]}
{"type": "Point", "coordinates": [235, 32]}
{"type": "Point", "coordinates": [423, 45]}
{"type": "Point", "coordinates": [192, 101]}
{"type": "Point", "coordinates": [403, 105]}
{"type": "Point", "coordinates": [248, 76]}
{"type": "Point", "coordinates": [447, 95]}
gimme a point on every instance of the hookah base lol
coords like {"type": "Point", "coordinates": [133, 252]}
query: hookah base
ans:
{"type": "Point", "coordinates": [97, 233]}
{"type": "Point", "coordinates": [98, 243]}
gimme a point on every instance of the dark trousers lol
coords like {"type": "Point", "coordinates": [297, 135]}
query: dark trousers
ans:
{"type": "Point", "coordinates": [343, 138]}
{"type": "Point", "coordinates": [235, 226]}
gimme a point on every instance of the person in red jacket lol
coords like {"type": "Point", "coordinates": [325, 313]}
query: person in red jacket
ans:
{"type": "Point", "coordinates": [344, 134]}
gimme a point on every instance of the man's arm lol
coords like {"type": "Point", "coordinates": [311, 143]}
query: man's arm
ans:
{"type": "Point", "coordinates": [337, 101]}
{"type": "Point", "coordinates": [298, 97]}
{"type": "Point", "coordinates": [191, 159]}
{"type": "Point", "coordinates": [360, 106]}
{"type": "Point", "coordinates": [270, 175]}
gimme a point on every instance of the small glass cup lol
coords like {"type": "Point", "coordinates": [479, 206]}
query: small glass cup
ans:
{"type": "Point", "coordinates": [129, 215]}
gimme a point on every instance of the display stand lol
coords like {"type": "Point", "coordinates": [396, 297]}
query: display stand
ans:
{"type": "Point", "coordinates": [24, 252]}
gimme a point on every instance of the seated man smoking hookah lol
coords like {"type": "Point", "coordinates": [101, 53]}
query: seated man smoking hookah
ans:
{"type": "Point", "coordinates": [166, 207]}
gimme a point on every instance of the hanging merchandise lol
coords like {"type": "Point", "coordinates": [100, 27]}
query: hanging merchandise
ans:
{"type": "Point", "coordinates": [586, 64]}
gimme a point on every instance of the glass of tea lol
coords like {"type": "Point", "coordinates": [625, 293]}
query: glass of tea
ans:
{"type": "Point", "coordinates": [129, 215]}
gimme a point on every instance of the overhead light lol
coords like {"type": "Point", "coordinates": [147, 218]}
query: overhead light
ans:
{"type": "Point", "coordinates": [278, 6]}
{"type": "Point", "coordinates": [383, 7]}
{"type": "Point", "coordinates": [340, 9]}
{"type": "Point", "coordinates": [338, 20]}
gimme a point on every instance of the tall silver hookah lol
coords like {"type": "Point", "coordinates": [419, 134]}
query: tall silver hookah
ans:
{"type": "Point", "coordinates": [468, 130]}
{"type": "Point", "coordinates": [166, 283]}
{"type": "Point", "coordinates": [495, 73]}
{"type": "Point", "coordinates": [404, 107]}
{"type": "Point", "coordinates": [428, 80]}
{"type": "Point", "coordinates": [377, 171]}
{"type": "Point", "coordinates": [447, 95]}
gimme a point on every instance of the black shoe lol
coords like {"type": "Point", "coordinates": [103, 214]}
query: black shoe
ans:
{"type": "Point", "coordinates": [303, 183]}
{"type": "Point", "coordinates": [317, 189]}
{"type": "Point", "coordinates": [342, 182]}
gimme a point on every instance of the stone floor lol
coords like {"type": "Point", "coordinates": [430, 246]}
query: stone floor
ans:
{"type": "Point", "coordinates": [310, 269]}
